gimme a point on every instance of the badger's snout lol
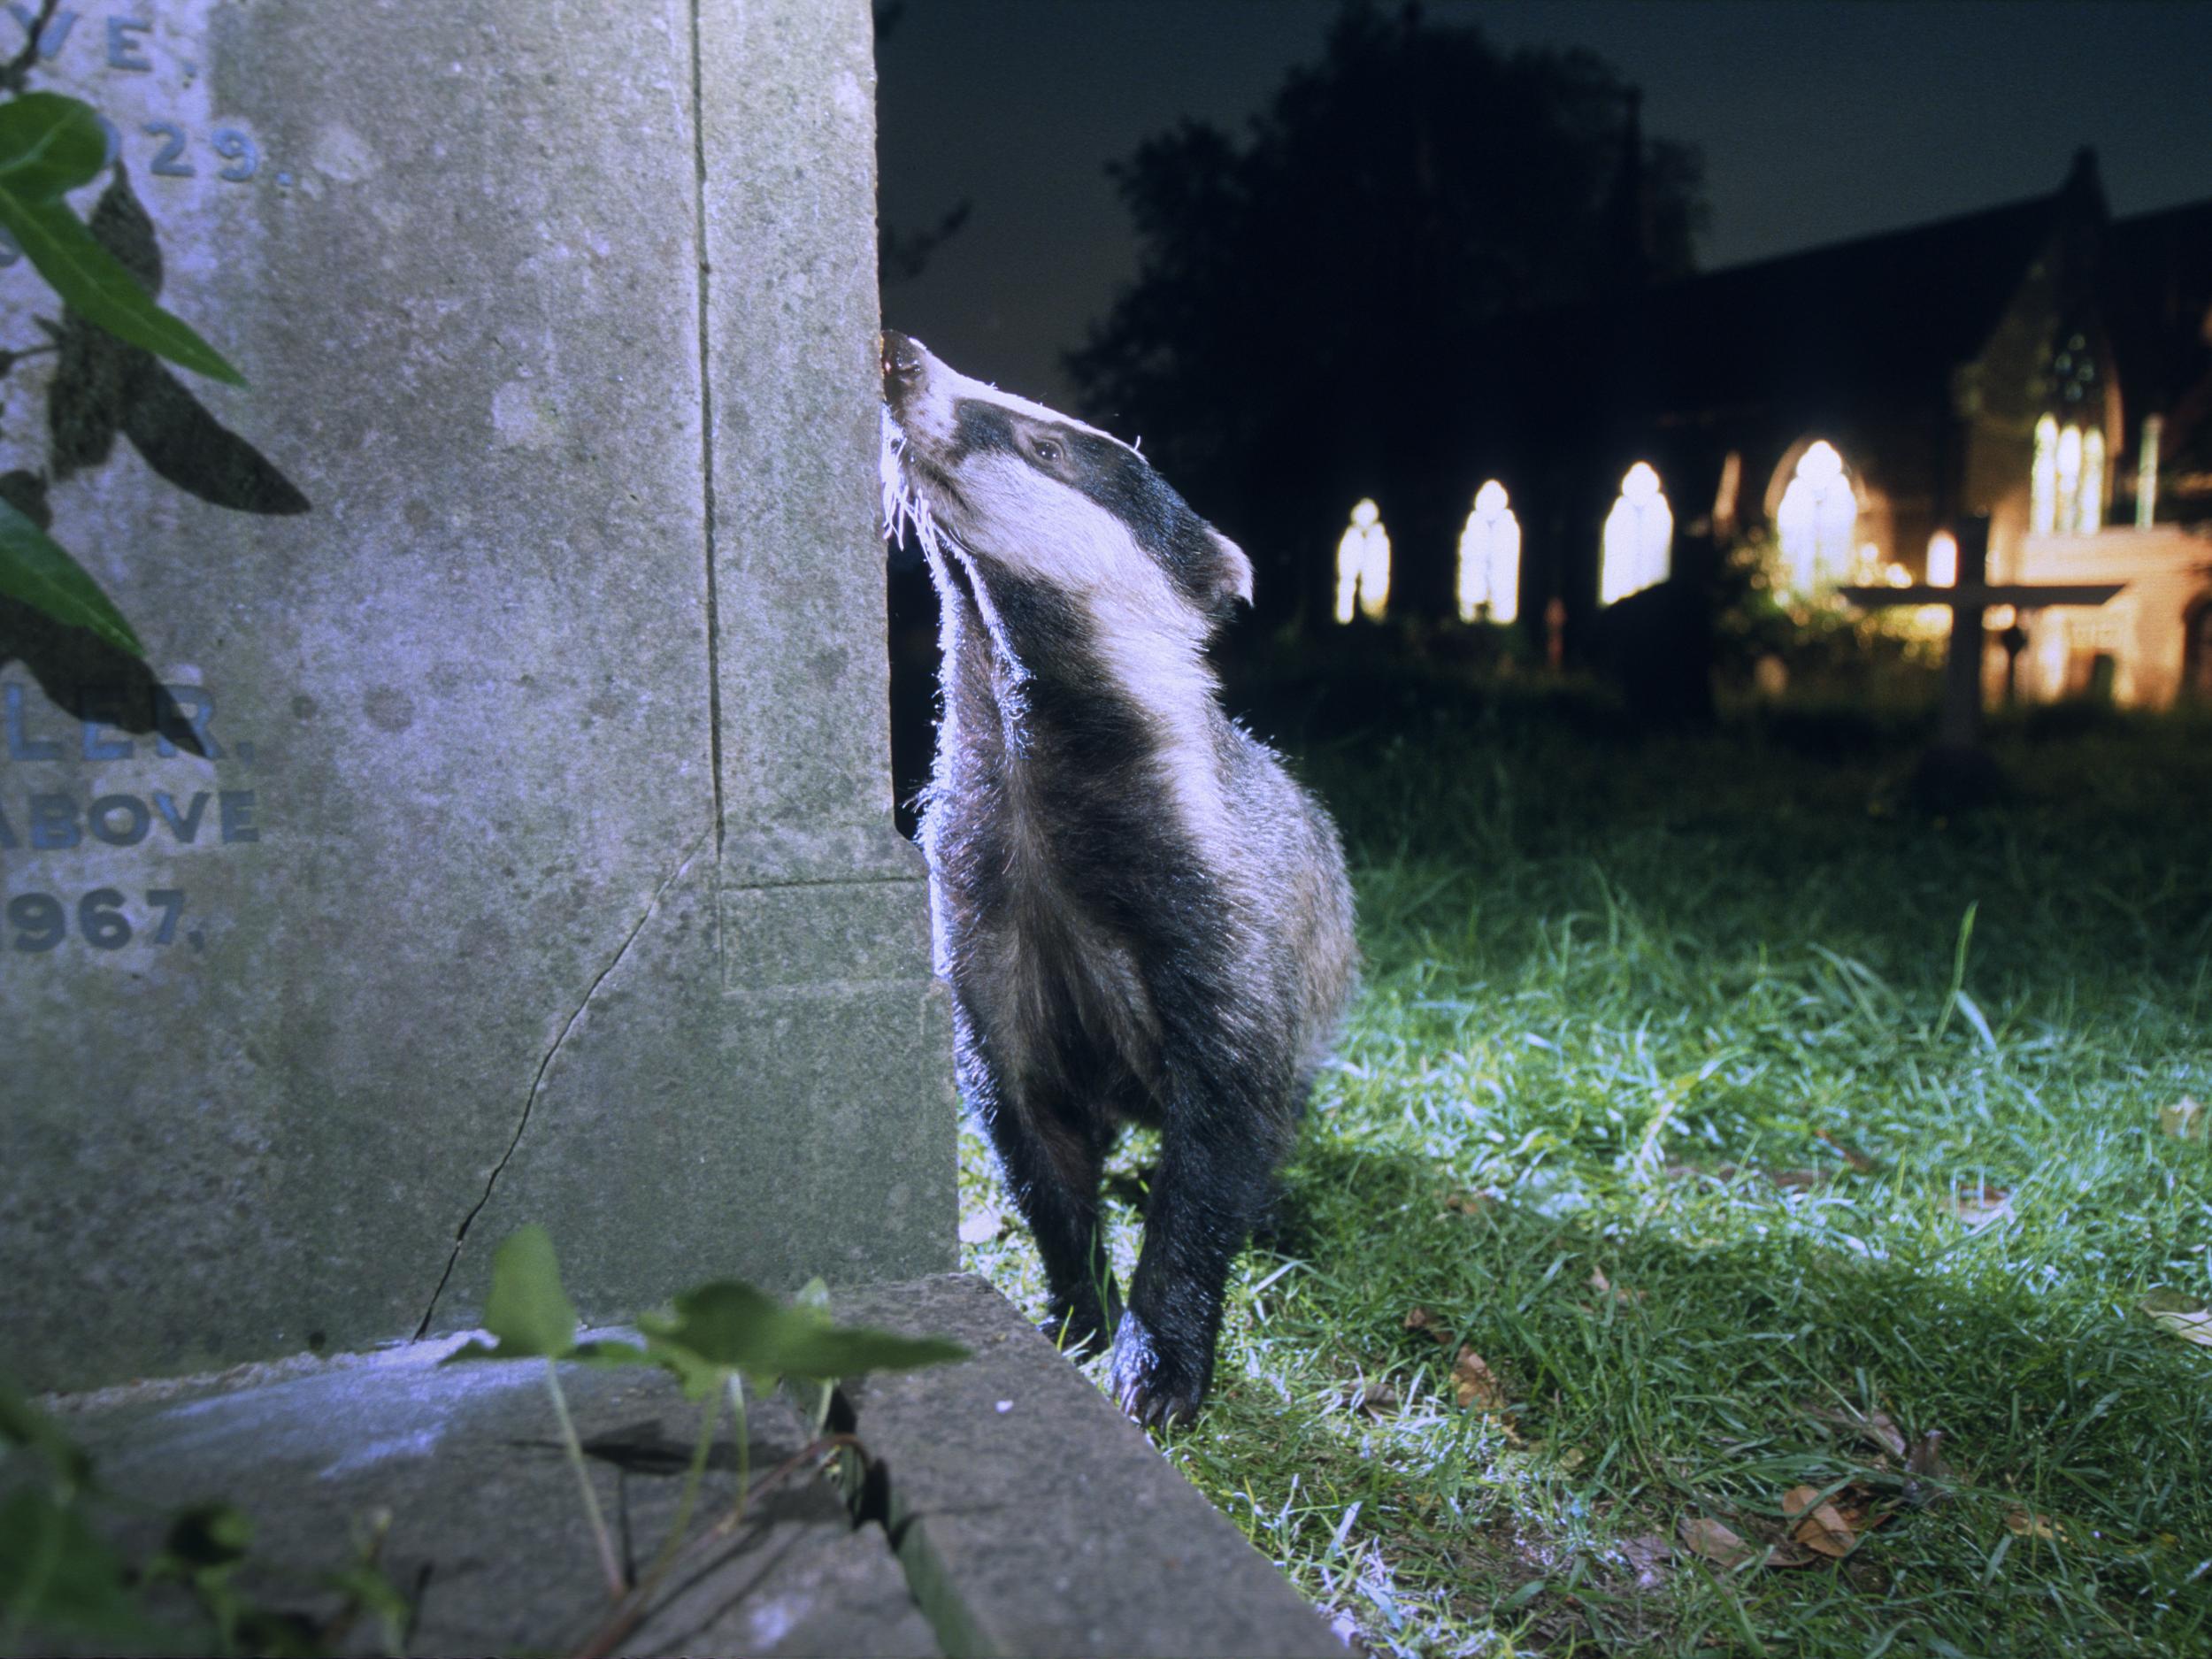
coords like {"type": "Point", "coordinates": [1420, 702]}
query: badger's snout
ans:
{"type": "Point", "coordinates": [902, 358]}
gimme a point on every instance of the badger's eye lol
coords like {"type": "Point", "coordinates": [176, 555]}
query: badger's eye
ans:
{"type": "Point", "coordinates": [1046, 450]}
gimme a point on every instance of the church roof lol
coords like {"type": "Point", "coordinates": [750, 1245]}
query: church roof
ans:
{"type": "Point", "coordinates": [2158, 302]}
{"type": "Point", "coordinates": [1884, 315]}
{"type": "Point", "coordinates": [1898, 309]}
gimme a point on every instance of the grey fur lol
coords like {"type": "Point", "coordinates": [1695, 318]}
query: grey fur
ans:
{"type": "Point", "coordinates": [1142, 916]}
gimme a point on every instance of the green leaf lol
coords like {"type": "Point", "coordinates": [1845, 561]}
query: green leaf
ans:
{"type": "Point", "coordinates": [727, 1323]}
{"type": "Point", "coordinates": [37, 570]}
{"type": "Point", "coordinates": [733, 1326]}
{"type": "Point", "coordinates": [55, 1572]}
{"type": "Point", "coordinates": [608, 1355]}
{"type": "Point", "coordinates": [92, 283]}
{"type": "Point", "coordinates": [23, 1423]}
{"type": "Point", "coordinates": [848, 1350]}
{"type": "Point", "coordinates": [526, 1309]}
{"type": "Point", "coordinates": [48, 144]}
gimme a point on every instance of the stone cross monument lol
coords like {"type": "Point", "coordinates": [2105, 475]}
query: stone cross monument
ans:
{"type": "Point", "coordinates": [499, 827]}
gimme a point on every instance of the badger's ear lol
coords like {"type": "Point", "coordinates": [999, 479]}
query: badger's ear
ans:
{"type": "Point", "coordinates": [1235, 571]}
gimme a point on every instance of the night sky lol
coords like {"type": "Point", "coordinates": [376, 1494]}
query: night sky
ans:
{"type": "Point", "coordinates": [1818, 122]}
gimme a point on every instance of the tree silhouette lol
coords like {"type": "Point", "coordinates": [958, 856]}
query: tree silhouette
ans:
{"type": "Point", "coordinates": [1309, 319]}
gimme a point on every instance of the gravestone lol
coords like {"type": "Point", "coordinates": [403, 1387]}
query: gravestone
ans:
{"type": "Point", "coordinates": [499, 828]}
{"type": "Point", "coordinates": [1957, 771]}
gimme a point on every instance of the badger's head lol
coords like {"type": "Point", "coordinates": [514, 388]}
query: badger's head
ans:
{"type": "Point", "coordinates": [1048, 500]}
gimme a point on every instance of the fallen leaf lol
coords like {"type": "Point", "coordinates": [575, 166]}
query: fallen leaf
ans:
{"type": "Point", "coordinates": [1788, 1554]}
{"type": "Point", "coordinates": [1475, 1383]}
{"type": "Point", "coordinates": [1377, 1398]}
{"type": "Point", "coordinates": [1875, 1428]}
{"type": "Point", "coordinates": [2179, 1315]}
{"type": "Point", "coordinates": [1645, 1554]}
{"type": "Point", "coordinates": [1820, 1526]}
{"type": "Point", "coordinates": [2022, 1522]}
{"type": "Point", "coordinates": [1472, 1203]}
{"type": "Point", "coordinates": [1712, 1540]}
{"type": "Point", "coordinates": [1861, 1164]}
{"type": "Point", "coordinates": [1477, 1389]}
{"type": "Point", "coordinates": [982, 1227]}
{"type": "Point", "coordinates": [2185, 1120]}
{"type": "Point", "coordinates": [1980, 1205]}
{"type": "Point", "coordinates": [1421, 1320]}
{"type": "Point", "coordinates": [1606, 1287]}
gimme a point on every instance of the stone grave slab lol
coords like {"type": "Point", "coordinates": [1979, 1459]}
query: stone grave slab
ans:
{"type": "Point", "coordinates": [487, 1532]}
{"type": "Point", "coordinates": [499, 827]}
{"type": "Point", "coordinates": [1010, 1508]}
{"type": "Point", "coordinates": [1034, 1520]}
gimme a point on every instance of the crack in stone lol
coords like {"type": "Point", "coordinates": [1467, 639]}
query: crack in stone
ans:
{"type": "Point", "coordinates": [545, 1066]}
{"type": "Point", "coordinates": [874, 1500]}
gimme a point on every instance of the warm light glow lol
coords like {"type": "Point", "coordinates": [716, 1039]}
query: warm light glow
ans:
{"type": "Point", "coordinates": [2043, 478]}
{"type": "Point", "coordinates": [2069, 476]}
{"type": "Point", "coordinates": [1639, 536]}
{"type": "Point", "coordinates": [1818, 522]}
{"type": "Point", "coordinates": [1943, 560]}
{"type": "Point", "coordinates": [1490, 558]}
{"type": "Point", "coordinates": [2147, 471]}
{"type": "Point", "coordinates": [2089, 505]}
{"type": "Point", "coordinates": [1363, 565]}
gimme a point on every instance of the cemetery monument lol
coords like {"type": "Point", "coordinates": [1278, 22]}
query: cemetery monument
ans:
{"type": "Point", "coordinates": [498, 827]}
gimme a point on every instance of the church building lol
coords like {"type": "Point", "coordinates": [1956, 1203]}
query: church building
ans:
{"type": "Point", "coordinates": [2039, 362]}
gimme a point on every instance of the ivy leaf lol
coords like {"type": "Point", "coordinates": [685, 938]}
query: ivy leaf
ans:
{"type": "Point", "coordinates": [37, 570]}
{"type": "Point", "coordinates": [55, 1572]}
{"type": "Point", "coordinates": [526, 1309]}
{"type": "Point", "coordinates": [92, 283]}
{"type": "Point", "coordinates": [829, 1351]}
{"type": "Point", "coordinates": [48, 144]}
{"type": "Point", "coordinates": [731, 1326]}
{"type": "Point", "coordinates": [23, 1423]}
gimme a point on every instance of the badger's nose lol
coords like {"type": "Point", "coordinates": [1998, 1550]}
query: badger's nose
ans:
{"type": "Point", "coordinates": [901, 364]}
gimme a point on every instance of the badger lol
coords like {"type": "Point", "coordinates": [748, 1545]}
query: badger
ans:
{"type": "Point", "coordinates": [1141, 917]}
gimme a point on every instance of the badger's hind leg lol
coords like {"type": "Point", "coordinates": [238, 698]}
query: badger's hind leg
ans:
{"type": "Point", "coordinates": [1053, 1161]}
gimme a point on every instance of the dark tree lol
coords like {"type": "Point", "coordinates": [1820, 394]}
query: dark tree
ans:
{"type": "Point", "coordinates": [1310, 319]}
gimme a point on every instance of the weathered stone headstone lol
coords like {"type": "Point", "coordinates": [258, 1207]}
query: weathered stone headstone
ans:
{"type": "Point", "coordinates": [499, 829]}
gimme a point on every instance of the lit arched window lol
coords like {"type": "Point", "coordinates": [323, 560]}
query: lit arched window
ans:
{"type": "Point", "coordinates": [1490, 558]}
{"type": "Point", "coordinates": [2066, 480]}
{"type": "Point", "coordinates": [1363, 565]}
{"type": "Point", "coordinates": [1818, 521]}
{"type": "Point", "coordinates": [2089, 500]}
{"type": "Point", "coordinates": [2043, 478]}
{"type": "Point", "coordinates": [1638, 535]}
{"type": "Point", "coordinates": [1943, 560]}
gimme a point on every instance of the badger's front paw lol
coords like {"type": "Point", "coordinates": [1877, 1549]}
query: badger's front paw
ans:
{"type": "Point", "coordinates": [1154, 1382]}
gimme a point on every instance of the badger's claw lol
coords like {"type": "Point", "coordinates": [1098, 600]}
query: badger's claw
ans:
{"type": "Point", "coordinates": [1154, 1385]}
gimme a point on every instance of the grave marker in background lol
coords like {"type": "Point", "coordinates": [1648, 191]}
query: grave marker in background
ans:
{"type": "Point", "coordinates": [500, 827]}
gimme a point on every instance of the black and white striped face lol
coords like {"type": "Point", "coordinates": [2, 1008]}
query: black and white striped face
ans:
{"type": "Point", "coordinates": [1048, 498]}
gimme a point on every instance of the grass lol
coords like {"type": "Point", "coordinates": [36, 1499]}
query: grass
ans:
{"type": "Point", "coordinates": [1707, 1103]}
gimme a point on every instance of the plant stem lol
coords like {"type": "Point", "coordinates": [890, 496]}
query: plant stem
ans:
{"type": "Point", "coordinates": [744, 1447]}
{"type": "Point", "coordinates": [616, 1584]}
{"type": "Point", "coordinates": [667, 1556]}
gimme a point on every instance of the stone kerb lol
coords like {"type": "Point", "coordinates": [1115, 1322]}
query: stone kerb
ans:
{"type": "Point", "coordinates": [499, 827]}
